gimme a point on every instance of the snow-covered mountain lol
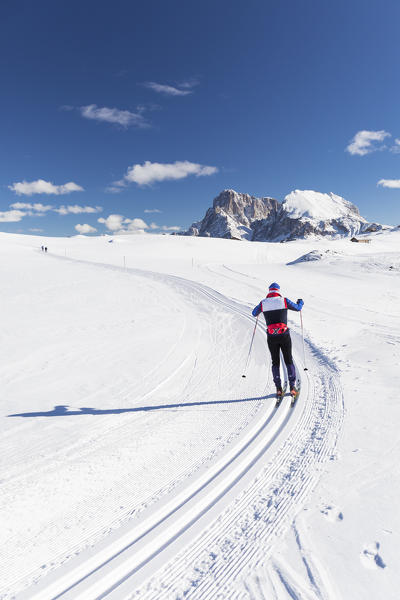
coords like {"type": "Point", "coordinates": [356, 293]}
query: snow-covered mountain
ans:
{"type": "Point", "coordinates": [302, 214]}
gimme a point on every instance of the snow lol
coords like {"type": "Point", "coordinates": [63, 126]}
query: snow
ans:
{"type": "Point", "coordinates": [316, 206]}
{"type": "Point", "coordinates": [136, 462]}
{"type": "Point", "coordinates": [315, 255]}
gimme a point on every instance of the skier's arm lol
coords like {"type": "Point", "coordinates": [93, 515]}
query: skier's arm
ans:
{"type": "Point", "coordinates": [256, 310]}
{"type": "Point", "coordinates": [294, 306]}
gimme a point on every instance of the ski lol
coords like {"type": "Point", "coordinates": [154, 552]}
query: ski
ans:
{"type": "Point", "coordinates": [295, 396]}
{"type": "Point", "coordinates": [280, 396]}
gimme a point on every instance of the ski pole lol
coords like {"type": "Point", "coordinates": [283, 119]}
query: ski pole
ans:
{"type": "Point", "coordinates": [251, 345]}
{"type": "Point", "coordinates": [302, 335]}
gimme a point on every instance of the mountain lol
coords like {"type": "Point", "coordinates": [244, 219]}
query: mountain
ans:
{"type": "Point", "coordinates": [232, 216]}
{"type": "Point", "coordinates": [302, 214]}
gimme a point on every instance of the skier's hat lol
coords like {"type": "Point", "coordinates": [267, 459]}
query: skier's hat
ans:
{"type": "Point", "coordinates": [274, 286]}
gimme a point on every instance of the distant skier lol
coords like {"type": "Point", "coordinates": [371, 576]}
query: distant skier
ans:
{"type": "Point", "coordinates": [275, 308]}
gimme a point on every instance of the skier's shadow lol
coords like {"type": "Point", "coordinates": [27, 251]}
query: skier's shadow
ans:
{"type": "Point", "coordinates": [62, 410]}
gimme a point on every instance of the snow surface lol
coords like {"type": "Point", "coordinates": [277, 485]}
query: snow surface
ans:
{"type": "Point", "coordinates": [137, 463]}
{"type": "Point", "coordinates": [316, 206]}
{"type": "Point", "coordinates": [315, 255]}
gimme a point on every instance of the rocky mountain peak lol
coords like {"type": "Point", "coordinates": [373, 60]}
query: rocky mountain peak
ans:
{"type": "Point", "coordinates": [243, 205]}
{"type": "Point", "coordinates": [302, 213]}
{"type": "Point", "coordinates": [232, 215]}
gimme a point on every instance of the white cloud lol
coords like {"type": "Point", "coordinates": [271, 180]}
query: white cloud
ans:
{"type": "Point", "coordinates": [389, 183]}
{"type": "Point", "coordinates": [115, 189]}
{"type": "Point", "coordinates": [362, 143]}
{"type": "Point", "coordinates": [125, 118]}
{"type": "Point", "coordinates": [149, 172]}
{"type": "Point", "coordinates": [154, 226]}
{"type": "Point", "coordinates": [396, 148]}
{"type": "Point", "coordinates": [36, 230]}
{"type": "Point", "coordinates": [74, 209]}
{"type": "Point", "coordinates": [112, 222]}
{"type": "Point", "coordinates": [28, 188]}
{"type": "Point", "coordinates": [189, 83]}
{"type": "Point", "coordinates": [171, 228]}
{"type": "Point", "coordinates": [121, 224]}
{"type": "Point", "coordinates": [135, 225]}
{"type": "Point", "coordinates": [85, 228]}
{"type": "Point", "coordinates": [11, 216]}
{"type": "Point", "coordinates": [152, 210]}
{"type": "Point", "coordinates": [168, 90]}
{"type": "Point", "coordinates": [37, 207]}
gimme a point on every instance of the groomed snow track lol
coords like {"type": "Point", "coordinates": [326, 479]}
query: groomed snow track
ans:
{"type": "Point", "coordinates": [209, 533]}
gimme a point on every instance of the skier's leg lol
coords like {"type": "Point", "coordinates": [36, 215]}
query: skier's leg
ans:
{"type": "Point", "coordinates": [275, 357]}
{"type": "Point", "coordinates": [286, 345]}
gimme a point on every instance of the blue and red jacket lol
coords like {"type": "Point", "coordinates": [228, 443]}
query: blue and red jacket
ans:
{"type": "Point", "coordinates": [275, 308]}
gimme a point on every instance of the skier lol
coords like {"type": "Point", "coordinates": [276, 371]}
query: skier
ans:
{"type": "Point", "coordinates": [275, 308]}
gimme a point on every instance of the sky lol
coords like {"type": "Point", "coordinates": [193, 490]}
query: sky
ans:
{"type": "Point", "coordinates": [131, 116]}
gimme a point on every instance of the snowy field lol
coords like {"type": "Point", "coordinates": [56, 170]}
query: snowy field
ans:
{"type": "Point", "coordinates": [137, 463]}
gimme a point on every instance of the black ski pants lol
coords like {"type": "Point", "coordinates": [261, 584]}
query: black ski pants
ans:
{"type": "Point", "coordinates": [277, 343]}
{"type": "Point", "coordinates": [280, 342]}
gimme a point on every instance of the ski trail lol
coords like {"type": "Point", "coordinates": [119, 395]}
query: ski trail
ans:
{"type": "Point", "coordinates": [188, 383]}
{"type": "Point", "coordinates": [242, 538]}
{"type": "Point", "coordinates": [229, 513]}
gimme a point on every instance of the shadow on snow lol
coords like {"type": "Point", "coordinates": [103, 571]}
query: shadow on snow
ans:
{"type": "Point", "coordinates": [62, 409]}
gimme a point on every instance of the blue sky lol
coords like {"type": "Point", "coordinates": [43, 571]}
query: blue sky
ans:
{"type": "Point", "coordinates": [120, 108]}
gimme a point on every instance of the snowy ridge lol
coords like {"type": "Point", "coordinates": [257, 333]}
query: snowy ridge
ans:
{"type": "Point", "coordinates": [314, 206]}
{"type": "Point", "coordinates": [316, 255]}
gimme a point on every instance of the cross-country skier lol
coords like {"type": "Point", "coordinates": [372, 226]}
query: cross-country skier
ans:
{"type": "Point", "coordinates": [275, 308]}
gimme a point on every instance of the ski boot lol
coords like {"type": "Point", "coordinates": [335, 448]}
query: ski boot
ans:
{"type": "Point", "coordinates": [294, 392]}
{"type": "Point", "coordinates": [279, 395]}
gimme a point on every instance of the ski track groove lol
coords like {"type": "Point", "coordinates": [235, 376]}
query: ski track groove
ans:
{"type": "Point", "coordinates": [240, 539]}
{"type": "Point", "coordinates": [310, 445]}
{"type": "Point", "coordinates": [144, 504]}
{"type": "Point", "coordinates": [79, 447]}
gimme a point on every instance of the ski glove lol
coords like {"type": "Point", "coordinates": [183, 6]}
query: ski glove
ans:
{"type": "Point", "coordinates": [299, 300]}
